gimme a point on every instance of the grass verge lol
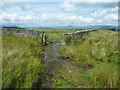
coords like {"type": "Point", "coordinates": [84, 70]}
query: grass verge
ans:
{"type": "Point", "coordinates": [21, 62]}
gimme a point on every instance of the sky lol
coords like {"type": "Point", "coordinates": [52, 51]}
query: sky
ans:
{"type": "Point", "coordinates": [57, 13]}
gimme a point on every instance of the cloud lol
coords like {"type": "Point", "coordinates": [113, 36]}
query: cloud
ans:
{"type": "Point", "coordinates": [72, 5]}
{"type": "Point", "coordinates": [60, 0]}
{"type": "Point", "coordinates": [51, 20]}
{"type": "Point", "coordinates": [112, 17]}
{"type": "Point", "coordinates": [71, 8]}
{"type": "Point", "coordinates": [101, 15]}
{"type": "Point", "coordinates": [13, 0]}
{"type": "Point", "coordinates": [67, 13]}
{"type": "Point", "coordinates": [93, 1]}
{"type": "Point", "coordinates": [27, 7]}
{"type": "Point", "coordinates": [106, 14]}
{"type": "Point", "coordinates": [76, 20]}
{"type": "Point", "coordinates": [67, 7]}
{"type": "Point", "coordinates": [32, 0]}
{"type": "Point", "coordinates": [103, 3]}
{"type": "Point", "coordinates": [15, 19]}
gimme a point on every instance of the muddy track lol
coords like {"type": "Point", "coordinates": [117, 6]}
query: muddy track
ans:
{"type": "Point", "coordinates": [53, 61]}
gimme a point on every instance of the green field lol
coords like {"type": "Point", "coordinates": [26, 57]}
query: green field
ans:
{"type": "Point", "coordinates": [20, 61]}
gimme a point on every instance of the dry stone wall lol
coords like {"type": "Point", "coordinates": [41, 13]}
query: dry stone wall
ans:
{"type": "Point", "coordinates": [25, 32]}
{"type": "Point", "coordinates": [78, 34]}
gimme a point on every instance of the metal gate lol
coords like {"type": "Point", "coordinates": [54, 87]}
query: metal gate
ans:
{"type": "Point", "coordinates": [59, 37]}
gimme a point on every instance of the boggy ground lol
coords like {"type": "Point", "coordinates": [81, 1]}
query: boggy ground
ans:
{"type": "Point", "coordinates": [61, 72]}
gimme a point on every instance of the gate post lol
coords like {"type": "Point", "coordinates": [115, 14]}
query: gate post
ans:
{"type": "Point", "coordinates": [44, 38]}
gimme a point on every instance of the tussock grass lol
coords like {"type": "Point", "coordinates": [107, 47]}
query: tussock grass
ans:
{"type": "Point", "coordinates": [99, 46]}
{"type": "Point", "coordinates": [99, 49]}
{"type": "Point", "coordinates": [20, 61]}
{"type": "Point", "coordinates": [103, 75]}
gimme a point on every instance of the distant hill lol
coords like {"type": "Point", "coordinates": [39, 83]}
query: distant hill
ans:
{"type": "Point", "coordinates": [88, 27]}
{"type": "Point", "coordinates": [70, 27]}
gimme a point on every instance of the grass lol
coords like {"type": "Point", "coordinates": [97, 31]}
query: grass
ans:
{"type": "Point", "coordinates": [99, 49]}
{"type": "Point", "coordinates": [102, 75]}
{"type": "Point", "coordinates": [54, 30]}
{"type": "Point", "coordinates": [100, 46]}
{"type": "Point", "coordinates": [21, 63]}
